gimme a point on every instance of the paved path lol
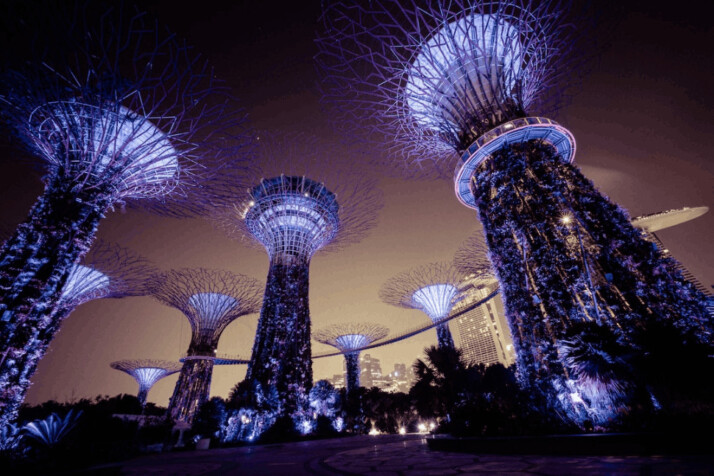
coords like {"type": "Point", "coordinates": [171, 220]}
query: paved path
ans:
{"type": "Point", "coordinates": [395, 455]}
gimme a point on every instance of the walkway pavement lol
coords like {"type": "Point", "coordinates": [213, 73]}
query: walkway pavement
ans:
{"type": "Point", "coordinates": [395, 455]}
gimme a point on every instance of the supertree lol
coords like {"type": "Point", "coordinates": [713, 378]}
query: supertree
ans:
{"type": "Point", "coordinates": [349, 338]}
{"type": "Point", "coordinates": [461, 78]}
{"type": "Point", "coordinates": [432, 288]}
{"type": "Point", "coordinates": [146, 372]}
{"type": "Point", "coordinates": [116, 111]}
{"type": "Point", "coordinates": [107, 271]}
{"type": "Point", "coordinates": [210, 300]}
{"type": "Point", "coordinates": [303, 202]}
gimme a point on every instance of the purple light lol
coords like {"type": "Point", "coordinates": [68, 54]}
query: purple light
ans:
{"type": "Point", "coordinates": [146, 372]}
{"type": "Point", "coordinates": [436, 300]}
{"type": "Point", "coordinates": [292, 216]}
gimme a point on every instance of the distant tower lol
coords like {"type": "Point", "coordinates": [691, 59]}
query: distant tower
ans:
{"type": "Point", "coordinates": [210, 300]}
{"type": "Point", "coordinates": [484, 333]}
{"type": "Point", "coordinates": [349, 338]}
{"type": "Point", "coordinates": [432, 288]}
{"type": "Point", "coordinates": [146, 372]}
{"type": "Point", "coordinates": [304, 201]}
{"type": "Point", "coordinates": [107, 271]}
{"type": "Point", "coordinates": [433, 81]}
{"type": "Point", "coordinates": [117, 111]}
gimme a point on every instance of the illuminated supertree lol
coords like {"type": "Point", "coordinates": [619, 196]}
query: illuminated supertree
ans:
{"type": "Point", "coordinates": [107, 271]}
{"type": "Point", "coordinates": [432, 288]}
{"type": "Point", "coordinates": [349, 338]}
{"type": "Point", "coordinates": [303, 202]}
{"type": "Point", "coordinates": [210, 300]}
{"type": "Point", "coordinates": [146, 372]}
{"type": "Point", "coordinates": [116, 111]}
{"type": "Point", "coordinates": [461, 78]}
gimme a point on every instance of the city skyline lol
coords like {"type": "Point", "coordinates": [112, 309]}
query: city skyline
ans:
{"type": "Point", "coordinates": [630, 156]}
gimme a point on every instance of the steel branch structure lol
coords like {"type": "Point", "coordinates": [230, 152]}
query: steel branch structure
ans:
{"type": "Point", "coordinates": [116, 111]}
{"type": "Point", "coordinates": [348, 338]}
{"type": "Point", "coordinates": [303, 202]}
{"type": "Point", "coordinates": [107, 271]}
{"type": "Point", "coordinates": [210, 300]}
{"type": "Point", "coordinates": [146, 372]}
{"type": "Point", "coordinates": [431, 288]}
{"type": "Point", "coordinates": [472, 258]}
{"type": "Point", "coordinates": [475, 78]}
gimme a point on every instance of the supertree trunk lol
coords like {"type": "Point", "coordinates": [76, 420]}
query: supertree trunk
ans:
{"type": "Point", "coordinates": [443, 335]}
{"type": "Point", "coordinates": [34, 265]}
{"type": "Point", "coordinates": [282, 353]}
{"type": "Point", "coordinates": [143, 393]}
{"type": "Point", "coordinates": [552, 277]}
{"type": "Point", "coordinates": [192, 389]}
{"type": "Point", "coordinates": [353, 371]}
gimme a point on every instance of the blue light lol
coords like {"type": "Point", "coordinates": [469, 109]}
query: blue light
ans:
{"type": "Point", "coordinates": [436, 300]}
{"type": "Point", "coordinates": [292, 216]}
{"type": "Point", "coordinates": [212, 308]}
{"type": "Point", "coordinates": [82, 281]}
{"type": "Point", "coordinates": [109, 139]}
{"type": "Point", "coordinates": [473, 61]}
{"type": "Point", "coordinates": [352, 341]}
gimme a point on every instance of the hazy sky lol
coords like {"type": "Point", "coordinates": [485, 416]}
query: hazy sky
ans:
{"type": "Point", "coordinates": [642, 121]}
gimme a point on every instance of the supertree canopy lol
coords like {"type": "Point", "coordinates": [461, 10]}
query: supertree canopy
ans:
{"type": "Point", "coordinates": [349, 338]}
{"type": "Point", "coordinates": [463, 78]}
{"type": "Point", "coordinates": [210, 300]}
{"type": "Point", "coordinates": [146, 372]}
{"type": "Point", "coordinates": [107, 271]}
{"type": "Point", "coordinates": [472, 258]}
{"type": "Point", "coordinates": [302, 202]}
{"type": "Point", "coordinates": [431, 288]}
{"type": "Point", "coordinates": [116, 111]}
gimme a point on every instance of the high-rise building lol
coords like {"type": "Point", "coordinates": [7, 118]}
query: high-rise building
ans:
{"type": "Point", "coordinates": [483, 333]}
{"type": "Point", "coordinates": [371, 371]}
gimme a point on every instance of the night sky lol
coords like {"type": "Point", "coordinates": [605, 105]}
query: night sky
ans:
{"type": "Point", "coordinates": [643, 124]}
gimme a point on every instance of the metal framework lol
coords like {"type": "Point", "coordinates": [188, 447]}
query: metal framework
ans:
{"type": "Point", "coordinates": [431, 79]}
{"type": "Point", "coordinates": [472, 258]}
{"type": "Point", "coordinates": [304, 201]}
{"type": "Point", "coordinates": [116, 111]}
{"type": "Point", "coordinates": [434, 78]}
{"type": "Point", "coordinates": [348, 338]}
{"type": "Point", "coordinates": [146, 372]}
{"type": "Point", "coordinates": [431, 288]}
{"type": "Point", "coordinates": [210, 300]}
{"type": "Point", "coordinates": [107, 271]}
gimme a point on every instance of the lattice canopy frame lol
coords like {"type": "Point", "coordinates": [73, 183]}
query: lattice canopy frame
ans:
{"type": "Point", "coordinates": [348, 338]}
{"type": "Point", "coordinates": [146, 372]}
{"type": "Point", "coordinates": [210, 300]}
{"type": "Point", "coordinates": [433, 78]}
{"type": "Point", "coordinates": [432, 288]}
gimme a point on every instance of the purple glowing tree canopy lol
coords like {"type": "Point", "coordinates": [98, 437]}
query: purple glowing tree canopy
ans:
{"type": "Point", "coordinates": [303, 202]}
{"type": "Point", "coordinates": [146, 372]}
{"type": "Point", "coordinates": [107, 271]}
{"type": "Point", "coordinates": [349, 338]}
{"type": "Point", "coordinates": [210, 300]}
{"type": "Point", "coordinates": [435, 77]}
{"type": "Point", "coordinates": [431, 288]}
{"type": "Point", "coordinates": [116, 111]}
